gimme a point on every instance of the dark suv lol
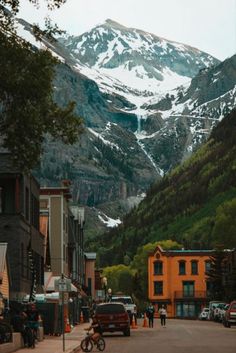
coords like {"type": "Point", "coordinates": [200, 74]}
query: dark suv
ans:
{"type": "Point", "coordinates": [113, 317]}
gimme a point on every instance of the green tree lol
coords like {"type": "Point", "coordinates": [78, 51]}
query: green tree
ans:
{"type": "Point", "coordinates": [225, 224]}
{"type": "Point", "coordinates": [27, 108]}
{"type": "Point", "coordinates": [119, 278]}
{"type": "Point", "coordinates": [215, 275]}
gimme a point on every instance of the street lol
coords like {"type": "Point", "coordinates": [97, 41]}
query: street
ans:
{"type": "Point", "coordinates": [180, 336]}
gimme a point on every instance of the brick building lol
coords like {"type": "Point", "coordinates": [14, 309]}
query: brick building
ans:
{"type": "Point", "coordinates": [19, 228]}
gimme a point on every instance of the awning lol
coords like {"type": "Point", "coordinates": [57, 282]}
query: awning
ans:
{"type": "Point", "coordinates": [50, 285]}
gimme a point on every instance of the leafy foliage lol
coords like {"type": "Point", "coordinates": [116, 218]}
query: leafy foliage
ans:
{"type": "Point", "coordinates": [28, 110]}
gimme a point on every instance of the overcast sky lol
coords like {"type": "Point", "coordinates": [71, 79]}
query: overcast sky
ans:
{"type": "Point", "coordinates": [209, 25]}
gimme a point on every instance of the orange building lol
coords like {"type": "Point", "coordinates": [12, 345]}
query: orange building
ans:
{"type": "Point", "coordinates": [177, 279]}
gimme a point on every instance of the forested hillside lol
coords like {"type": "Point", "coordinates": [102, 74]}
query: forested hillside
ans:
{"type": "Point", "coordinates": [194, 205]}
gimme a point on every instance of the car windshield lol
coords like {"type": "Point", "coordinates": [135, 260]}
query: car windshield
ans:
{"type": "Point", "coordinates": [233, 306]}
{"type": "Point", "coordinates": [206, 309]}
{"type": "Point", "coordinates": [110, 309]}
{"type": "Point", "coordinates": [122, 300]}
{"type": "Point", "coordinates": [221, 306]}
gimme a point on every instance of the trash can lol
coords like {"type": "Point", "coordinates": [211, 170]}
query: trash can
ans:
{"type": "Point", "coordinates": [85, 311]}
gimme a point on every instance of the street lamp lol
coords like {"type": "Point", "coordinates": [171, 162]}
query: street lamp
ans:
{"type": "Point", "coordinates": [104, 281]}
{"type": "Point", "coordinates": [109, 291]}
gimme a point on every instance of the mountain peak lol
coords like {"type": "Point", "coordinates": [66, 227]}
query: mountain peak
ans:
{"type": "Point", "coordinates": [111, 23]}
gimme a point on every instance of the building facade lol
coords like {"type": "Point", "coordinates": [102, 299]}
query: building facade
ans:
{"type": "Point", "coordinates": [19, 228]}
{"type": "Point", "coordinates": [54, 210]}
{"type": "Point", "coordinates": [177, 279]}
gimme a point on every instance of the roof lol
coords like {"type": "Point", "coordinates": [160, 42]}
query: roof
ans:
{"type": "Point", "coordinates": [3, 253]}
{"type": "Point", "coordinates": [90, 255]}
{"type": "Point", "coordinates": [181, 252]}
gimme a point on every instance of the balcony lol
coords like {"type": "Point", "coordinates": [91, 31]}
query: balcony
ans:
{"type": "Point", "coordinates": [190, 295]}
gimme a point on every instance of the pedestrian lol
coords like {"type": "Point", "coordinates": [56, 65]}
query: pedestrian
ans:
{"type": "Point", "coordinates": [18, 322]}
{"type": "Point", "coordinates": [163, 315]}
{"type": "Point", "coordinates": [150, 314]}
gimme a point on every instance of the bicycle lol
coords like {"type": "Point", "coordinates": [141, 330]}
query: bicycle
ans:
{"type": "Point", "coordinates": [92, 339]}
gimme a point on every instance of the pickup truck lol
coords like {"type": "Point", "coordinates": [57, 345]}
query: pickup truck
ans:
{"type": "Point", "coordinates": [129, 304]}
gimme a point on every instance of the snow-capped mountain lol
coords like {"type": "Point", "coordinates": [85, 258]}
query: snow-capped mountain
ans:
{"type": "Point", "coordinates": [147, 104]}
{"type": "Point", "coordinates": [134, 63]}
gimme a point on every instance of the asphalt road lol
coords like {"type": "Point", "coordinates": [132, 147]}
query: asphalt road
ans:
{"type": "Point", "coordinates": [179, 336]}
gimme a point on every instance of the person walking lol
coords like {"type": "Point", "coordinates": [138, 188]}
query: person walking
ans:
{"type": "Point", "coordinates": [150, 314]}
{"type": "Point", "coordinates": [163, 315]}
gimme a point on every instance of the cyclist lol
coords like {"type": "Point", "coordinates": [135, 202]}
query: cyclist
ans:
{"type": "Point", "coordinates": [96, 329]}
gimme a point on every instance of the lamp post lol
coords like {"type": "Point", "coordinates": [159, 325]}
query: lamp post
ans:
{"type": "Point", "coordinates": [104, 281]}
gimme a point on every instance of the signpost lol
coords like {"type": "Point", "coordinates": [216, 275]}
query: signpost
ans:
{"type": "Point", "coordinates": [63, 285]}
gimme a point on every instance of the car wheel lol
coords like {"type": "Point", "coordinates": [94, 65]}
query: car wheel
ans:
{"type": "Point", "coordinates": [127, 332]}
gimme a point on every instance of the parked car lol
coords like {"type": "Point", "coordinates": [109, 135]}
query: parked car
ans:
{"type": "Point", "coordinates": [217, 311]}
{"type": "Point", "coordinates": [128, 303]}
{"type": "Point", "coordinates": [212, 306]}
{"type": "Point", "coordinates": [113, 317]}
{"type": "Point", "coordinates": [230, 315]}
{"type": "Point", "coordinates": [204, 314]}
{"type": "Point", "coordinates": [222, 312]}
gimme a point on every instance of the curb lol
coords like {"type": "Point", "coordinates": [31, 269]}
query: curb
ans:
{"type": "Point", "coordinates": [74, 350]}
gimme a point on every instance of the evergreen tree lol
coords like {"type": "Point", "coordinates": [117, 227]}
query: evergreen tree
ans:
{"type": "Point", "coordinates": [216, 275]}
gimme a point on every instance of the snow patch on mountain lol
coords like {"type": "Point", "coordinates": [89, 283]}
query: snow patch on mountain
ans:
{"type": "Point", "coordinates": [110, 222]}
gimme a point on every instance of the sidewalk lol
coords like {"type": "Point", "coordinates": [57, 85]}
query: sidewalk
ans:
{"type": "Point", "coordinates": [54, 344]}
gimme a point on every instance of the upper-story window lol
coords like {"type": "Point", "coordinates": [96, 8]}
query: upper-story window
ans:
{"type": "Point", "coordinates": [158, 268]}
{"type": "Point", "coordinates": [194, 267]}
{"type": "Point", "coordinates": [207, 265]}
{"type": "Point", "coordinates": [158, 288]}
{"type": "Point", "coordinates": [182, 267]}
{"type": "Point", "coordinates": [27, 208]}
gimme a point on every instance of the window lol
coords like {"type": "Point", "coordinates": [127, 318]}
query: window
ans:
{"type": "Point", "coordinates": [194, 267]}
{"type": "Point", "coordinates": [22, 259]}
{"type": "Point", "coordinates": [207, 266]}
{"type": "Point", "coordinates": [188, 289]}
{"type": "Point", "coordinates": [158, 268]}
{"type": "Point", "coordinates": [158, 288]}
{"type": "Point", "coordinates": [182, 270]}
{"type": "Point", "coordinates": [1, 199]}
{"type": "Point", "coordinates": [90, 286]}
{"type": "Point", "coordinates": [27, 203]}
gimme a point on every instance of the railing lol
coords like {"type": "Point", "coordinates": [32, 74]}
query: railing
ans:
{"type": "Point", "coordinates": [190, 294]}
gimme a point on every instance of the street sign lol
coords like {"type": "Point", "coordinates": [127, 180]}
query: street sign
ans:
{"type": "Point", "coordinates": [62, 285]}
{"type": "Point", "coordinates": [63, 298]}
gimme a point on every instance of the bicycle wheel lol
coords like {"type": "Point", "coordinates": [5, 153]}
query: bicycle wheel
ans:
{"type": "Point", "coordinates": [101, 344]}
{"type": "Point", "coordinates": [86, 345]}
